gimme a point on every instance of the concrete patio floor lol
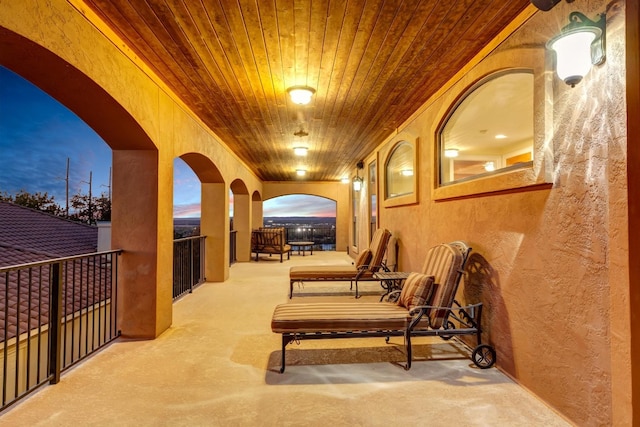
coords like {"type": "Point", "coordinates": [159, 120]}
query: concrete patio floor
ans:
{"type": "Point", "coordinates": [218, 366]}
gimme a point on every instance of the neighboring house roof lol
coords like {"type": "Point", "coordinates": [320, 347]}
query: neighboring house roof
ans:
{"type": "Point", "coordinates": [28, 235]}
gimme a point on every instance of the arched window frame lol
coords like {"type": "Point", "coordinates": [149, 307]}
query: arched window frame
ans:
{"type": "Point", "coordinates": [538, 175]}
{"type": "Point", "coordinates": [408, 197]}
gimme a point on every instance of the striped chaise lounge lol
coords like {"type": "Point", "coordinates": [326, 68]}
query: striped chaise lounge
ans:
{"type": "Point", "coordinates": [368, 262]}
{"type": "Point", "coordinates": [424, 308]}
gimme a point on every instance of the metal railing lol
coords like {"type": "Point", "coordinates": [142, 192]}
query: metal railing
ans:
{"type": "Point", "coordinates": [188, 264]}
{"type": "Point", "coordinates": [324, 238]}
{"type": "Point", "coordinates": [55, 314]}
{"type": "Point", "coordinates": [233, 238]}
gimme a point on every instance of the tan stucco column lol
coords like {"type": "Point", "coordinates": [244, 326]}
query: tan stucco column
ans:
{"type": "Point", "coordinates": [214, 224]}
{"type": "Point", "coordinates": [257, 212]}
{"type": "Point", "coordinates": [144, 283]}
{"type": "Point", "coordinates": [241, 223]}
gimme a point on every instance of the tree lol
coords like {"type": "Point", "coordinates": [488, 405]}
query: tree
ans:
{"type": "Point", "coordinates": [39, 201]}
{"type": "Point", "coordinates": [90, 210]}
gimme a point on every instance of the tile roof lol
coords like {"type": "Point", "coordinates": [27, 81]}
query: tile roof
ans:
{"type": "Point", "coordinates": [28, 235]}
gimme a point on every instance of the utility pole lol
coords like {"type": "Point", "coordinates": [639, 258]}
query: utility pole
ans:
{"type": "Point", "coordinates": [67, 189]}
{"type": "Point", "coordinates": [90, 196]}
{"type": "Point", "coordinates": [108, 186]}
{"type": "Point", "coordinates": [66, 212]}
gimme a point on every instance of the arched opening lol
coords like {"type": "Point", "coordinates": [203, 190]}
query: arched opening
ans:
{"type": "Point", "coordinates": [242, 219]}
{"type": "Point", "coordinates": [214, 218]}
{"type": "Point", "coordinates": [305, 218]}
{"type": "Point", "coordinates": [135, 208]}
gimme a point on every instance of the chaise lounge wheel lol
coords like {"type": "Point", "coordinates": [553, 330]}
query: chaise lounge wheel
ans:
{"type": "Point", "coordinates": [484, 356]}
{"type": "Point", "coordinates": [448, 325]}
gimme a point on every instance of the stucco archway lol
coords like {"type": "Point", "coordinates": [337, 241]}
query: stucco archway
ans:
{"type": "Point", "coordinates": [242, 219]}
{"type": "Point", "coordinates": [135, 207]}
{"type": "Point", "coordinates": [214, 218]}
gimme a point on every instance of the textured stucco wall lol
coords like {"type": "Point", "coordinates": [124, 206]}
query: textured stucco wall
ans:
{"type": "Point", "coordinates": [542, 262]}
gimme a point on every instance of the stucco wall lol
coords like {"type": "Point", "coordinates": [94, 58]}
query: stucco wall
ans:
{"type": "Point", "coordinates": [542, 254]}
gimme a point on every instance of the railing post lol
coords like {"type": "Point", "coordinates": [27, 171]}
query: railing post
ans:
{"type": "Point", "coordinates": [191, 275]}
{"type": "Point", "coordinates": [55, 323]}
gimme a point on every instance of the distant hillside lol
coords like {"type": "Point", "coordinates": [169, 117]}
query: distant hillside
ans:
{"type": "Point", "coordinates": [299, 220]}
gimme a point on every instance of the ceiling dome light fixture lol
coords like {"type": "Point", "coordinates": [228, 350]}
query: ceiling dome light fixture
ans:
{"type": "Point", "coordinates": [300, 151]}
{"type": "Point", "coordinates": [451, 152]}
{"type": "Point", "coordinates": [578, 46]}
{"type": "Point", "coordinates": [301, 95]}
{"type": "Point", "coordinates": [301, 172]}
{"type": "Point", "coordinates": [489, 166]}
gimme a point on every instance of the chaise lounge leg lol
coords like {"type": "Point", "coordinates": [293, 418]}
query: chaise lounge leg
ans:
{"type": "Point", "coordinates": [407, 340]}
{"type": "Point", "coordinates": [286, 339]}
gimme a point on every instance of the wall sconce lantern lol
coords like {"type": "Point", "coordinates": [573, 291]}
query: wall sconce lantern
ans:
{"type": "Point", "coordinates": [357, 181]}
{"type": "Point", "coordinates": [579, 45]}
{"type": "Point", "coordinates": [301, 95]}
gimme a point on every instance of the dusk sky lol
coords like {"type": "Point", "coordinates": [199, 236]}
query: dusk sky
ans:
{"type": "Point", "coordinates": [38, 134]}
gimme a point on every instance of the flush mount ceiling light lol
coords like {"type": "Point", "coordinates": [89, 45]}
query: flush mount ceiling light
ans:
{"type": "Point", "coordinates": [406, 172]}
{"type": "Point", "coordinates": [489, 166]}
{"type": "Point", "coordinates": [451, 152]}
{"type": "Point", "coordinates": [301, 95]}
{"type": "Point", "coordinates": [300, 151]}
{"type": "Point", "coordinates": [301, 172]}
{"type": "Point", "coordinates": [578, 46]}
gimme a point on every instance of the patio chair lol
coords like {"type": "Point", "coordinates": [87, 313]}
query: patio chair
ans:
{"type": "Point", "coordinates": [369, 261]}
{"type": "Point", "coordinates": [425, 307]}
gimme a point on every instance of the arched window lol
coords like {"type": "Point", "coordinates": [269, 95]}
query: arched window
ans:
{"type": "Point", "coordinates": [490, 129]}
{"type": "Point", "coordinates": [400, 170]}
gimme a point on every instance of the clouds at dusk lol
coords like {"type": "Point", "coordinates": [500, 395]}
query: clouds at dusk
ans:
{"type": "Point", "coordinates": [38, 134]}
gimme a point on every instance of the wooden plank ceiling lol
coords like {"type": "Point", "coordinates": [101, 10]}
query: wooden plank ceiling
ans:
{"type": "Point", "coordinates": [372, 63]}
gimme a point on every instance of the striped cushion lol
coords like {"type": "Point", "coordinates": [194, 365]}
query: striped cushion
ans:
{"type": "Point", "coordinates": [364, 258]}
{"type": "Point", "coordinates": [323, 272]}
{"type": "Point", "coordinates": [443, 262]}
{"type": "Point", "coordinates": [339, 317]}
{"type": "Point", "coordinates": [378, 246]}
{"type": "Point", "coordinates": [416, 290]}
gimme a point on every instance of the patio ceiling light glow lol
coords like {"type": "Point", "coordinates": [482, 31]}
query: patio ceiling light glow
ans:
{"type": "Point", "coordinates": [357, 183]}
{"type": "Point", "coordinates": [301, 172]}
{"type": "Point", "coordinates": [578, 46]}
{"type": "Point", "coordinates": [301, 95]}
{"type": "Point", "coordinates": [300, 151]}
{"type": "Point", "coordinates": [406, 172]}
{"type": "Point", "coordinates": [451, 152]}
{"type": "Point", "coordinates": [345, 180]}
